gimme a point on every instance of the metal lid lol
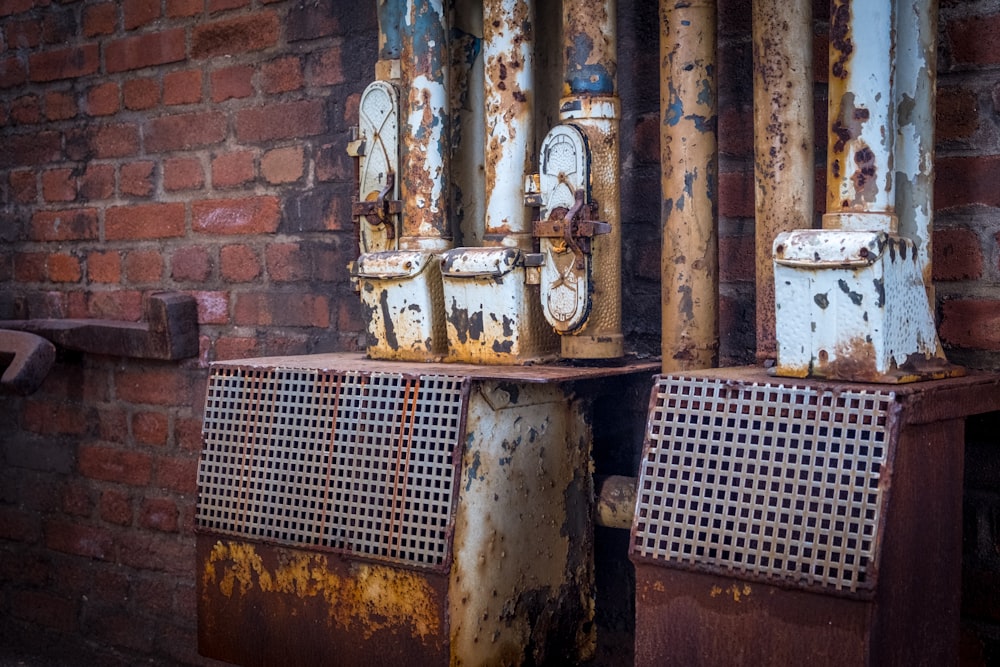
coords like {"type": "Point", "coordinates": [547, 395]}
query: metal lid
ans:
{"type": "Point", "coordinates": [828, 247]}
{"type": "Point", "coordinates": [393, 264]}
{"type": "Point", "coordinates": [480, 262]}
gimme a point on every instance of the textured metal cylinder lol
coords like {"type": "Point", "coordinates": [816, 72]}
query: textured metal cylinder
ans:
{"type": "Point", "coordinates": [590, 39]}
{"type": "Point", "coordinates": [915, 91]}
{"type": "Point", "coordinates": [426, 127]}
{"type": "Point", "coordinates": [689, 164]}
{"type": "Point", "coordinates": [862, 128]}
{"type": "Point", "coordinates": [783, 141]}
{"type": "Point", "coordinates": [508, 53]}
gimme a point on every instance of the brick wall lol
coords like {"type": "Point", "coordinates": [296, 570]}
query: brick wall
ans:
{"type": "Point", "coordinates": [199, 146]}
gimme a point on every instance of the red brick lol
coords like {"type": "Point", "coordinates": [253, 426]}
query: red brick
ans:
{"type": "Point", "coordinates": [144, 550]}
{"type": "Point", "coordinates": [281, 309]}
{"type": "Point", "coordinates": [81, 540]}
{"type": "Point", "coordinates": [190, 264]}
{"type": "Point", "coordinates": [66, 63]}
{"type": "Point", "coordinates": [237, 35]}
{"type": "Point", "coordinates": [236, 348]}
{"type": "Point", "coordinates": [646, 141]}
{"type": "Point", "coordinates": [64, 268]}
{"type": "Point", "coordinates": [281, 76]}
{"type": "Point", "coordinates": [100, 19]}
{"type": "Point", "coordinates": [964, 181]}
{"type": "Point", "coordinates": [153, 386]}
{"type": "Point", "coordinates": [104, 267]}
{"type": "Point", "coordinates": [144, 267]}
{"type": "Point", "coordinates": [187, 434]}
{"type": "Point", "coordinates": [76, 224]}
{"type": "Point", "coordinates": [115, 141]}
{"type": "Point", "coordinates": [148, 50]}
{"type": "Point", "coordinates": [150, 428]}
{"type": "Point", "coordinates": [58, 185]}
{"type": "Point", "coordinates": [957, 255]}
{"type": "Point", "coordinates": [283, 165]}
{"type": "Point", "coordinates": [308, 21]}
{"type": "Point", "coordinates": [232, 83]}
{"type": "Point", "coordinates": [137, 179]}
{"type": "Point", "coordinates": [182, 87]}
{"type": "Point", "coordinates": [215, 6]}
{"type": "Point", "coordinates": [23, 34]}
{"type": "Point", "coordinates": [115, 465]}
{"type": "Point", "coordinates": [736, 131]}
{"type": "Point", "coordinates": [281, 121]}
{"type": "Point", "coordinates": [232, 169]}
{"type": "Point", "coordinates": [971, 323]}
{"type": "Point", "coordinates": [247, 215]}
{"type": "Point", "coordinates": [115, 305]}
{"type": "Point", "coordinates": [102, 99]}
{"type": "Point", "coordinates": [19, 525]}
{"type": "Point", "coordinates": [737, 261]}
{"type": "Point", "coordinates": [77, 499]}
{"type": "Point", "coordinates": [286, 262]}
{"type": "Point", "coordinates": [736, 194]}
{"type": "Point", "coordinates": [26, 110]}
{"type": "Point", "coordinates": [159, 514]}
{"type": "Point", "coordinates": [59, 105]}
{"type": "Point", "coordinates": [145, 221]}
{"type": "Point", "coordinates": [239, 264]}
{"type": "Point", "coordinates": [975, 40]}
{"type": "Point", "coordinates": [213, 306]}
{"type": "Point", "coordinates": [12, 72]}
{"type": "Point", "coordinates": [45, 609]}
{"type": "Point", "coordinates": [333, 163]}
{"type": "Point", "coordinates": [30, 149]}
{"type": "Point", "coordinates": [54, 418]}
{"type": "Point", "coordinates": [113, 425]}
{"type": "Point", "coordinates": [182, 8]}
{"type": "Point", "coordinates": [326, 68]}
{"type": "Point", "coordinates": [24, 186]}
{"type": "Point", "coordinates": [137, 13]}
{"type": "Point", "coordinates": [185, 131]}
{"type": "Point", "coordinates": [182, 174]}
{"type": "Point", "coordinates": [349, 316]}
{"type": "Point", "coordinates": [141, 94]}
{"type": "Point", "coordinates": [957, 114]}
{"type": "Point", "coordinates": [116, 507]}
{"type": "Point", "coordinates": [97, 182]}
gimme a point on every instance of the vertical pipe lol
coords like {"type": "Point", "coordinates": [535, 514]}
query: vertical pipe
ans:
{"type": "Point", "coordinates": [860, 194]}
{"type": "Point", "coordinates": [508, 54]}
{"type": "Point", "coordinates": [425, 61]}
{"type": "Point", "coordinates": [689, 178]}
{"type": "Point", "coordinates": [590, 101]}
{"type": "Point", "coordinates": [783, 141]}
{"type": "Point", "coordinates": [390, 13]}
{"type": "Point", "coordinates": [916, 78]}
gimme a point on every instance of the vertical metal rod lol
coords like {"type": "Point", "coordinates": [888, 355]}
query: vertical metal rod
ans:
{"type": "Point", "coordinates": [915, 91]}
{"type": "Point", "coordinates": [860, 194]}
{"type": "Point", "coordinates": [425, 63]}
{"type": "Point", "coordinates": [509, 54]}
{"type": "Point", "coordinates": [689, 167]}
{"type": "Point", "coordinates": [784, 138]}
{"type": "Point", "coordinates": [590, 101]}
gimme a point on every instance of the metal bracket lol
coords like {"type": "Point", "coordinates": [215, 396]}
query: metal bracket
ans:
{"type": "Point", "coordinates": [575, 227]}
{"type": "Point", "coordinates": [379, 211]}
{"type": "Point", "coordinates": [170, 331]}
{"type": "Point", "coordinates": [28, 359]}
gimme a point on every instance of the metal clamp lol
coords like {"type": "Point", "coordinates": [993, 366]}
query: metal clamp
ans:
{"type": "Point", "coordinates": [378, 212]}
{"type": "Point", "coordinates": [575, 227]}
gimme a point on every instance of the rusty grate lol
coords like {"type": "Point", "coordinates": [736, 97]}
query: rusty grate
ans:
{"type": "Point", "coordinates": [769, 481]}
{"type": "Point", "coordinates": [360, 463]}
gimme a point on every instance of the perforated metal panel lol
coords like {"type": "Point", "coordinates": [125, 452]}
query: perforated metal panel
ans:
{"type": "Point", "coordinates": [361, 463]}
{"type": "Point", "coordinates": [770, 481]}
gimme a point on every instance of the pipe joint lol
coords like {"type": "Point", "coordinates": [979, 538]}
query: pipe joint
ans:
{"type": "Point", "coordinates": [578, 107]}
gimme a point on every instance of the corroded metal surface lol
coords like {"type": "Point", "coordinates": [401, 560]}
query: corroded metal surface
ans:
{"type": "Point", "coordinates": [521, 588]}
{"type": "Point", "coordinates": [262, 604]}
{"type": "Point", "coordinates": [390, 14]}
{"type": "Point", "coordinates": [689, 181]}
{"type": "Point", "coordinates": [783, 141]}
{"type": "Point", "coordinates": [851, 306]}
{"type": "Point", "coordinates": [426, 63]}
{"type": "Point", "coordinates": [25, 361]}
{"type": "Point", "coordinates": [403, 305]}
{"type": "Point", "coordinates": [590, 34]}
{"type": "Point", "coordinates": [492, 316]}
{"type": "Point", "coordinates": [468, 128]}
{"type": "Point", "coordinates": [616, 495]}
{"type": "Point", "coordinates": [378, 206]}
{"type": "Point", "coordinates": [508, 53]}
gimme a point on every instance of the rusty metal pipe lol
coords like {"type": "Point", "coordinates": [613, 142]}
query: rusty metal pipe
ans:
{"type": "Point", "coordinates": [915, 91]}
{"type": "Point", "coordinates": [390, 13]}
{"type": "Point", "coordinates": [590, 102]}
{"type": "Point", "coordinates": [784, 156]}
{"type": "Point", "coordinates": [425, 64]}
{"type": "Point", "coordinates": [689, 179]}
{"type": "Point", "coordinates": [508, 54]}
{"type": "Point", "coordinates": [860, 193]}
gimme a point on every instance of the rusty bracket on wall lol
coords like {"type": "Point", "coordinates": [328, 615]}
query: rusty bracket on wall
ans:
{"type": "Point", "coordinates": [169, 332]}
{"type": "Point", "coordinates": [380, 210]}
{"type": "Point", "coordinates": [576, 227]}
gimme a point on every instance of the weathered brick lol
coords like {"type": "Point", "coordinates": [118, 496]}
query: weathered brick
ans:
{"type": "Point", "coordinates": [23, 34]}
{"type": "Point", "coordinates": [283, 165]}
{"type": "Point", "coordinates": [308, 21]}
{"type": "Point", "coordinates": [100, 19]}
{"type": "Point", "coordinates": [320, 208]}
{"type": "Point", "coordinates": [159, 514]}
{"type": "Point", "coordinates": [182, 87]}
{"type": "Point", "coordinates": [216, 6]}
{"type": "Point", "coordinates": [333, 163]}
{"type": "Point", "coordinates": [24, 186]}
{"type": "Point", "coordinates": [97, 182]}
{"type": "Point", "coordinates": [45, 609]}
{"type": "Point", "coordinates": [110, 464]}
{"type": "Point", "coordinates": [239, 264]}
{"type": "Point", "coordinates": [102, 99]}
{"type": "Point", "coordinates": [286, 262]}
{"type": "Point", "coordinates": [177, 474]}
{"type": "Point", "coordinates": [152, 386]}
{"type": "Point", "coordinates": [136, 179]}
{"type": "Point", "coordinates": [957, 255]}
{"type": "Point", "coordinates": [59, 105]}
{"type": "Point", "coordinates": [190, 264]}
{"type": "Point", "coordinates": [150, 428]}
{"type": "Point", "coordinates": [213, 306]}
{"type": "Point", "coordinates": [13, 72]}
{"type": "Point", "coordinates": [227, 347]}
{"type": "Point", "coordinates": [65, 63]}
{"type": "Point", "coordinates": [281, 309]}
{"type": "Point", "coordinates": [957, 113]}
{"type": "Point", "coordinates": [736, 196]}
{"type": "Point", "coordinates": [144, 221]}
{"type": "Point", "coordinates": [182, 8]}
{"type": "Point", "coordinates": [228, 37]}
{"type": "Point", "coordinates": [281, 75]}
{"type": "Point", "coordinates": [247, 215]}
{"type": "Point", "coordinates": [19, 525]}
{"type": "Point", "coordinates": [119, 304]}
{"type": "Point", "coordinates": [58, 185]}
{"type": "Point", "coordinates": [963, 181]}
{"type": "Point", "coordinates": [111, 141]}
{"type": "Point", "coordinates": [187, 434]}
{"type": "Point", "coordinates": [326, 67]}
{"type": "Point", "coordinates": [737, 259]}
{"type": "Point", "coordinates": [30, 149]}
{"type": "Point", "coordinates": [54, 418]}
{"type": "Point", "coordinates": [144, 267]}
{"type": "Point", "coordinates": [141, 93]}
{"type": "Point", "coordinates": [79, 539]}
{"type": "Point", "coordinates": [64, 268]}
{"type": "Point", "coordinates": [147, 50]}
{"type": "Point", "coordinates": [26, 110]}
{"type": "Point", "coordinates": [975, 40]}
{"type": "Point", "coordinates": [77, 499]}
{"type": "Point", "coordinates": [185, 131]}
{"type": "Point", "coordinates": [137, 13]}
{"type": "Point", "coordinates": [232, 83]}
{"type": "Point", "coordinates": [281, 121]}
{"type": "Point", "coordinates": [59, 26]}
{"type": "Point", "coordinates": [144, 550]}
{"type": "Point", "coordinates": [116, 507]}
{"type": "Point", "coordinates": [971, 323]}
{"type": "Point", "coordinates": [233, 169]}
{"type": "Point", "coordinates": [113, 425]}
{"type": "Point", "coordinates": [182, 174]}
{"type": "Point", "coordinates": [75, 224]}
{"type": "Point", "coordinates": [104, 267]}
